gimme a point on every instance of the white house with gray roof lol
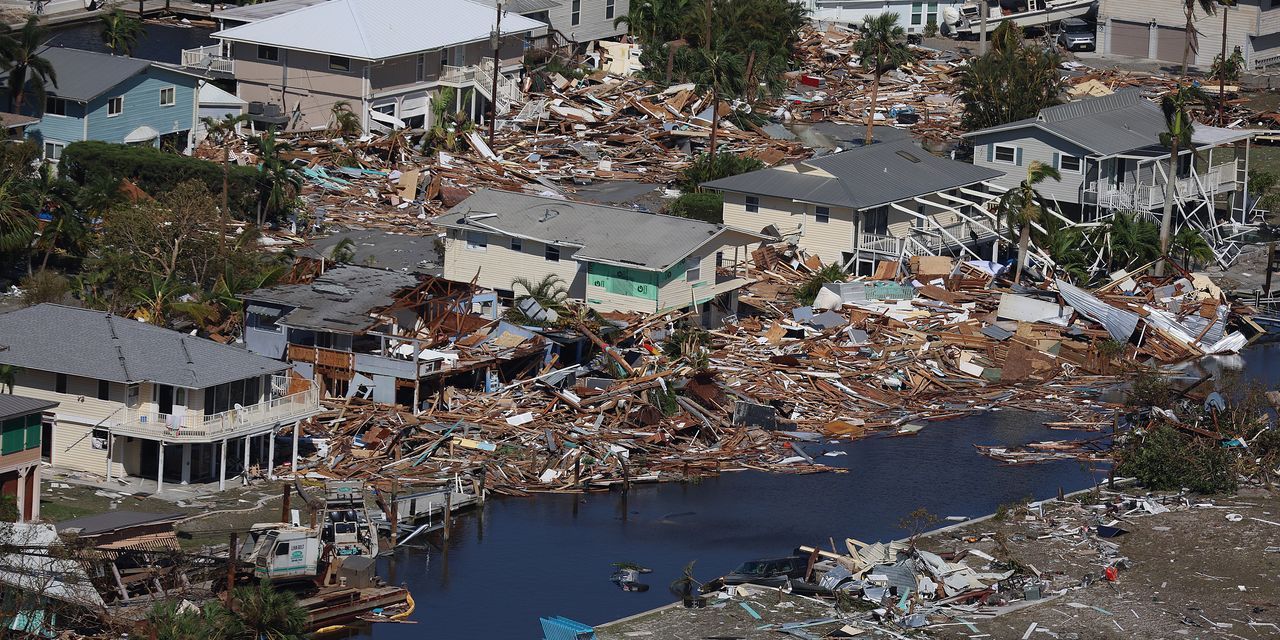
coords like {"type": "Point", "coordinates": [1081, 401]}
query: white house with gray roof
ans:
{"type": "Point", "coordinates": [1108, 152]}
{"type": "Point", "coordinates": [612, 258]}
{"type": "Point", "coordinates": [144, 401]}
{"type": "Point", "coordinates": [869, 203]}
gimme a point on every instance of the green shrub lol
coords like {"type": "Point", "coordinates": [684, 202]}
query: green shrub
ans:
{"type": "Point", "coordinates": [704, 206]}
{"type": "Point", "coordinates": [1165, 459]}
{"type": "Point", "coordinates": [806, 292]}
{"type": "Point", "coordinates": [156, 172]}
{"type": "Point", "coordinates": [705, 168]}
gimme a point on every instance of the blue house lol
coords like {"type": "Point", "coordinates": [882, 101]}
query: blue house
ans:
{"type": "Point", "coordinates": [113, 99]}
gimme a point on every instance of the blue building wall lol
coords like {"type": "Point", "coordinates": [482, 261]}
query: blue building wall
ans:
{"type": "Point", "coordinates": [142, 107]}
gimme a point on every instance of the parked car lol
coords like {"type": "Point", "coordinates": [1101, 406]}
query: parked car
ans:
{"type": "Point", "coordinates": [1075, 34]}
{"type": "Point", "coordinates": [772, 572]}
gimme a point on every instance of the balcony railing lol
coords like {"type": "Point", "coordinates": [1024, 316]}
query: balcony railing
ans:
{"type": "Point", "coordinates": [480, 76]}
{"type": "Point", "coordinates": [210, 57]}
{"type": "Point", "coordinates": [197, 427]}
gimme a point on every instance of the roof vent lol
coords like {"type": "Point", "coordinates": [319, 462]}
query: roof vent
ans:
{"type": "Point", "coordinates": [909, 157]}
{"type": "Point", "coordinates": [549, 214]}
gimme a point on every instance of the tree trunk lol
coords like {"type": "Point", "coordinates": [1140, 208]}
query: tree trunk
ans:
{"type": "Point", "coordinates": [1024, 240]}
{"type": "Point", "coordinates": [1190, 33]}
{"type": "Point", "coordinates": [715, 119]}
{"type": "Point", "coordinates": [226, 172]}
{"type": "Point", "coordinates": [871, 113]}
{"type": "Point", "coordinates": [750, 86]}
{"type": "Point", "coordinates": [1166, 218]}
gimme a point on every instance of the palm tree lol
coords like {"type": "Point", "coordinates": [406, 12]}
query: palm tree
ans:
{"type": "Point", "coordinates": [719, 70]}
{"type": "Point", "coordinates": [550, 292]}
{"type": "Point", "coordinates": [882, 47]}
{"type": "Point", "coordinates": [1193, 247]}
{"type": "Point", "coordinates": [1177, 135]}
{"type": "Point", "coordinates": [8, 377]}
{"type": "Point", "coordinates": [1023, 207]}
{"type": "Point", "coordinates": [120, 32]}
{"type": "Point", "coordinates": [1131, 240]}
{"type": "Point", "coordinates": [221, 132]}
{"type": "Point", "coordinates": [267, 614]}
{"type": "Point", "coordinates": [345, 121]}
{"type": "Point", "coordinates": [28, 71]}
{"type": "Point", "coordinates": [1065, 245]}
{"type": "Point", "coordinates": [17, 226]}
{"type": "Point", "coordinates": [344, 252]}
{"type": "Point", "coordinates": [280, 182]}
{"type": "Point", "coordinates": [1189, 8]}
{"type": "Point", "coordinates": [157, 301]}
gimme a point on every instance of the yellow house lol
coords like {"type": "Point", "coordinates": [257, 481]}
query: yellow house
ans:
{"type": "Point", "coordinates": [870, 203]}
{"type": "Point", "coordinates": [612, 258]}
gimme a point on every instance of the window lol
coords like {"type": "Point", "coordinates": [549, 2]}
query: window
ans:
{"type": "Point", "coordinates": [1069, 164]}
{"type": "Point", "coordinates": [444, 58]}
{"type": "Point", "coordinates": [115, 106]}
{"type": "Point", "coordinates": [608, 8]}
{"type": "Point", "coordinates": [55, 106]}
{"type": "Point", "coordinates": [98, 439]}
{"type": "Point", "coordinates": [552, 254]}
{"type": "Point", "coordinates": [692, 269]}
{"type": "Point", "coordinates": [168, 97]}
{"type": "Point", "coordinates": [1005, 154]}
{"type": "Point", "coordinates": [575, 17]}
{"type": "Point", "coordinates": [719, 259]}
{"type": "Point", "coordinates": [268, 53]}
{"type": "Point", "coordinates": [339, 63]}
{"type": "Point", "coordinates": [282, 549]}
{"type": "Point", "coordinates": [477, 240]}
{"type": "Point", "coordinates": [421, 73]}
{"type": "Point", "coordinates": [917, 14]}
{"type": "Point", "coordinates": [60, 383]}
{"type": "Point", "coordinates": [753, 204]}
{"type": "Point", "coordinates": [53, 150]}
{"type": "Point", "coordinates": [822, 214]}
{"type": "Point", "coordinates": [104, 390]}
{"type": "Point", "coordinates": [517, 245]}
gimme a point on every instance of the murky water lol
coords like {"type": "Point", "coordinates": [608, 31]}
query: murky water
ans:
{"type": "Point", "coordinates": [551, 555]}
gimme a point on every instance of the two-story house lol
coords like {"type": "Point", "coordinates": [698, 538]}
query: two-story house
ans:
{"type": "Point", "coordinates": [113, 99]}
{"type": "Point", "coordinates": [1157, 30]}
{"type": "Point", "coordinates": [144, 401]}
{"type": "Point", "coordinates": [388, 59]}
{"type": "Point", "coordinates": [575, 21]}
{"type": "Point", "coordinates": [23, 422]}
{"type": "Point", "coordinates": [612, 258]}
{"type": "Point", "coordinates": [913, 16]}
{"type": "Point", "coordinates": [869, 203]}
{"type": "Point", "coordinates": [1107, 150]}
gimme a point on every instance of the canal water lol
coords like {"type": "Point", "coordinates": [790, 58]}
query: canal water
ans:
{"type": "Point", "coordinates": [551, 554]}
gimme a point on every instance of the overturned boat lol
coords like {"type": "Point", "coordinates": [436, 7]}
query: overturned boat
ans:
{"type": "Point", "coordinates": [966, 21]}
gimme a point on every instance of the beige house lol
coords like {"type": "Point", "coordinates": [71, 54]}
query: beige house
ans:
{"type": "Point", "coordinates": [143, 401]}
{"type": "Point", "coordinates": [612, 258]}
{"type": "Point", "coordinates": [870, 203]}
{"type": "Point", "coordinates": [1156, 29]}
{"type": "Point", "coordinates": [388, 59]}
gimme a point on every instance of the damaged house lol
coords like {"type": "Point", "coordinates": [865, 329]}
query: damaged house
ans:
{"type": "Point", "coordinates": [1108, 152]}
{"type": "Point", "coordinates": [878, 202]}
{"type": "Point", "coordinates": [137, 400]}
{"type": "Point", "coordinates": [370, 332]}
{"type": "Point", "coordinates": [24, 421]}
{"type": "Point", "coordinates": [612, 258]}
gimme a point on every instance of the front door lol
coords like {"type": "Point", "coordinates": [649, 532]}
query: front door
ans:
{"type": "Point", "coordinates": [164, 399]}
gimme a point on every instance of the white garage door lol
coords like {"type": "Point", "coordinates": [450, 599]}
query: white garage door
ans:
{"type": "Point", "coordinates": [1130, 38]}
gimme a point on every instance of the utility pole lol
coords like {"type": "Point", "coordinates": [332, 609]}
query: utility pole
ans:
{"type": "Point", "coordinates": [983, 9]}
{"type": "Point", "coordinates": [496, 40]}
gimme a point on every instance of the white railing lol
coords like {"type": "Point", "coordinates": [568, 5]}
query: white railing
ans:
{"type": "Point", "coordinates": [480, 76]}
{"type": "Point", "coordinates": [879, 244]}
{"type": "Point", "coordinates": [197, 427]}
{"type": "Point", "coordinates": [209, 57]}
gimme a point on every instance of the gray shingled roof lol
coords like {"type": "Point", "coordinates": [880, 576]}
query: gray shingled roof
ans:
{"type": "Point", "coordinates": [109, 521]}
{"type": "Point", "coordinates": [339, 300]}
{"type": "Point", "coordinates": [93, 344]}
{"type": "Point", "coordinates": [1106, 125]}
{"type": "Point", "coordinates": [863, 177]}
{"type": "Point", "coordinates": [85, 75]}
{"type": "Point", "coordinates": [11, 405]}
{"type": "Point", "coordinates": [611, 235]}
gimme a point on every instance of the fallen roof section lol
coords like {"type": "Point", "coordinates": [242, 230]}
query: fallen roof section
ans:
{"type": "Point", "coordinates": [342, 299]}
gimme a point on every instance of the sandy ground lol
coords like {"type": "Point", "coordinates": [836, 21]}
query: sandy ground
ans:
{"type": "Point", "coordinates": [1191, 572]}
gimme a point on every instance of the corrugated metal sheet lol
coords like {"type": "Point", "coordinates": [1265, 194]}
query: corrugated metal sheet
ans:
{"type": "Point", "coordinates": [1119, 323]}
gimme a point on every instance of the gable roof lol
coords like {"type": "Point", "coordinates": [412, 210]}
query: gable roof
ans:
{"type": "Point", "coordinates": [378, 29]}
{"type": "Point", "coordinates": [94, 344]}
{"type": "Point", "coordinates": [604, 234]}
{"type": "Point", "coordinates": [1106, 125]}
{"type": "Point", "coordinates": [862, 177]}
{"type": "Point", "coordinates": [85, 75]}
{"type": "Point", "coordinates": [338, 300]}
{"type": "Point", "coordinates": [11, 405]}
